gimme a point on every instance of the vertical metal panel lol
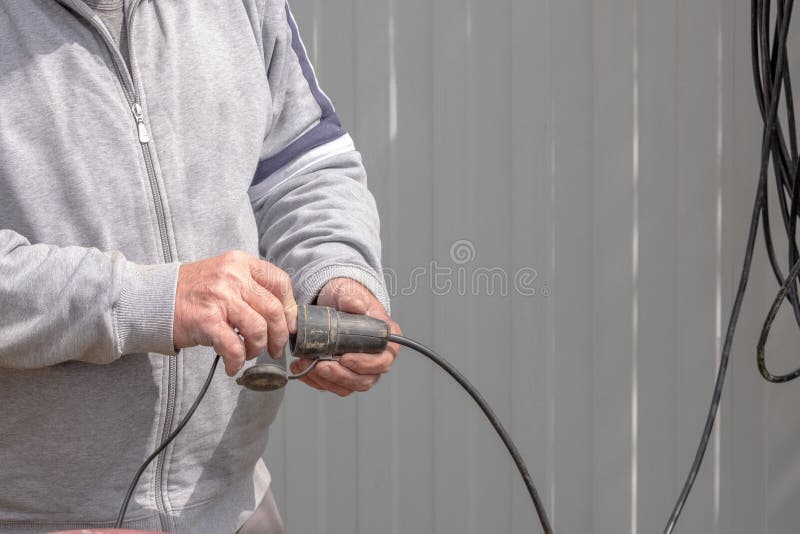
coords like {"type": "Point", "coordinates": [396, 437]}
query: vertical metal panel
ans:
{"type": "Point", "coordinates": [409, 245]}
{"type": "Point", "coordinates": [607, 151]}
{"type": "Point", "coordinates": [532, 244]}
{"type": "Point", "coordinates": [374, 131]}
{"type": "Point", "coordinates": [657, 285]}
{"type": "Point", "coordinates": [454, 218]}
{"type": "Point", "coordinates": [731, 64]}
{"type": "Point", "coordinates": [572, 259]}
{"type": "Point", "coordinates": [615, 243]}
{"type": "Point", "coordinates": [698, 185]}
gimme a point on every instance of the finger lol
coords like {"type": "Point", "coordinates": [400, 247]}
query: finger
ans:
{"type": "Point", "coordinates": [297, 368]}
{"type": "Point", "coordinates": [229, 346]}
{"type": "Point", "coordinates": [317, 381]}
{"type": "Point", "coordinates": [271, 310]}
{"type": "Point", "coordinates": [334, 373]}
{"type": "Point", "coordinates": [346, 295]}
{"type": "Point", "coordinates": [277, 282]}
{"type": "Point", "coordinates": [370, 364]}
{"type": "Point", "coordinates": [252, 327]}
{"type": "Point", "coordinates": [326, 385]}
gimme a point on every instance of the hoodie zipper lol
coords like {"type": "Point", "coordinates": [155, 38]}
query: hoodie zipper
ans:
{"type": "Point", "coordinates": [145, 141]}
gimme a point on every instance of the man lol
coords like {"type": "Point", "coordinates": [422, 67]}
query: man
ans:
{"type": "Point", "coordinates": [149, 154]}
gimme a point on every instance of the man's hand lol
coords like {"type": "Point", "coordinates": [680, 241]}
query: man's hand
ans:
{"type": "Point", "coordinates": [234, 291]}
{"type": "Point", "coordinates": [353, 372]}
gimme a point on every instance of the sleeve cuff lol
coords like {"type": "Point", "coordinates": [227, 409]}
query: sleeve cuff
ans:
{"type": "Point", "coordinates": [308, 289]}
{"type": "Point", "coordinates": [144, 313]}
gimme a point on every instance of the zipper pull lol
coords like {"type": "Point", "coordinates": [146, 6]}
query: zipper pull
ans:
{"type": "Point", "coordinates": [144, 136]}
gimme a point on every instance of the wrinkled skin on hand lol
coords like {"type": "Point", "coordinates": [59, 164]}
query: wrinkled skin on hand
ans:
{"type": "Point", "coordinates": [238, 304]}
{"type": "Point", "coordinates": [353, 372]}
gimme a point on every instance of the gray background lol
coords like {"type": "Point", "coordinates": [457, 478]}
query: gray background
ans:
{"type": "Point", "coordinates": [611, 146]}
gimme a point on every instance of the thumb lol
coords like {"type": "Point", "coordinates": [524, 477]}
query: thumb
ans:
{"type": "Point", "coordinates": [346, 295]}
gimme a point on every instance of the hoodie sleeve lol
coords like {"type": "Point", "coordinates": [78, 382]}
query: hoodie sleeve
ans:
{"type": "Point", "coordinates": [317, 219]}
{"type": "Point", "coordinates": [71, 303]}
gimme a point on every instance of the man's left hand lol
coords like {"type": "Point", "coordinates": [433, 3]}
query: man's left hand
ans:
{"type": "Point", "coordinates": [353, 372]}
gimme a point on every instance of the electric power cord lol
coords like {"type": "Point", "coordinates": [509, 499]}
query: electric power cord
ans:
{"type": "Point", "coordinates": [493, 419]}
{"type": "Point", "coordinates": [124, 508]}
{"type": "Point", "coordinates": [772, 77]}
{"type": "Point", "coordinates": [418, 347]}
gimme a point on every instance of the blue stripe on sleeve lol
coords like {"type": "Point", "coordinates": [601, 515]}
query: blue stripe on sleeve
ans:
{"type": "Point", "coordinates": [329, 127]}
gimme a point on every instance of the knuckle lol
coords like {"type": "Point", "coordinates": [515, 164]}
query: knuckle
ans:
{"type": "Point", "coordinates": [230, 273]}
{"type": "Point", "coordinates": [207, 315]}
{"type": "Point", "coordinates": [234, 256]}
{"type": "Point", "coordinates": [325, 371]}
{"type": "Point", "coordinates": [231, 350]}
{"type": "Point", "coordinates": [261, 334]}
{"type": "Point", "coordinates": [350, 299]}
{"type": "Point", "coordinates": [354, 364]}
{"type": "Point", "coordinates": [279, 276]}
{"type": "Point", "coordinates": [220, 283]}
{"type": "Point", "coordinates": [252, 286]}
{"type": "Point", "coordinates": [230, 345]}
{"type": "Point", "coordinates": [255, 326]}
{"type": "Point", "coordinates": [281, 337]}
{"type": "Point", "coordinates": [385, 363]}
{"type": "Point", "coordinates": [285, 282]}
{"type": "Point", "coordinates": [273, 308]}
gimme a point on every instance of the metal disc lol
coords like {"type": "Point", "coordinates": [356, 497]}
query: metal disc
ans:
{"type": "Point", "coordinates": [264, 377]}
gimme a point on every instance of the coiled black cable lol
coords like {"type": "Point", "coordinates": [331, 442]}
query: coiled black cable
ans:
{"type": "Point", "coordinates": [493, 419]}
{"type": "Point", "coordinates": [772, 79]}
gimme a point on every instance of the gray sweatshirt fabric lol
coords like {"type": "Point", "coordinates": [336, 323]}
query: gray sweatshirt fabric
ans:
{"type": "Point", "coordinates": [218, 137]}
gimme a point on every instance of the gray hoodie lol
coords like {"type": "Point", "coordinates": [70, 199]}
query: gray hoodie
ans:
{"type": "Point", "coordinates": [218, 137]}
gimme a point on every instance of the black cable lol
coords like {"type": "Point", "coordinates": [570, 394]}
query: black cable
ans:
{"type": "Point", "coordinates": [422, 349]}
{"type": "Point", "coordinates": [771, 76]}
{"type": "Point", "coordinates": [166, 442]}
{"type": "Point", "coordinates": [786, 167]}
{"type": "Point", "coordinates": [769, 83]}
{"type": "Point", "coordinates": [493, 419]}
{"type": "Point", "coordinates": [762, 341]}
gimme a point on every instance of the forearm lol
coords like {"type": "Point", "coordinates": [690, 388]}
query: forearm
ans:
{"type": "Point", "coordinates": [322, 223]}
{"type": "Point", "coordinates": [73, 303]}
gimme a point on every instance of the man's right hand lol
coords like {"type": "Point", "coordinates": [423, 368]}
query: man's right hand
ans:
{"type": "Point", "coordinates": [234, 291]}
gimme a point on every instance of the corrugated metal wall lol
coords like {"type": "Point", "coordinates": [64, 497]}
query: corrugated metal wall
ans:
{"type": "Point", "coordinates": [600, 156]}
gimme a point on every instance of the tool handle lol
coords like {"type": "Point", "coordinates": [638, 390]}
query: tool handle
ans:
{"type": "Point", "coordinates": [323, 331]}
